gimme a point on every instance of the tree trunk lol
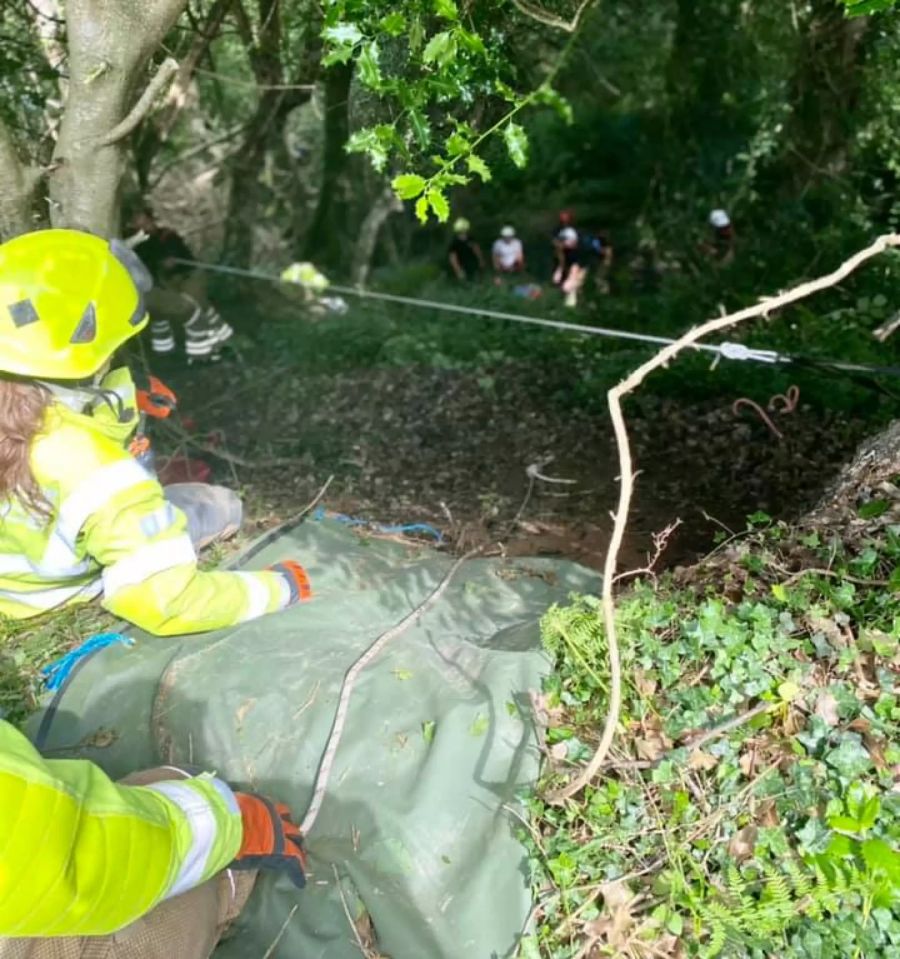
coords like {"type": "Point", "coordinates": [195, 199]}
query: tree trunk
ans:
{"type": "Point", "coordinates": [385, 204]}
{"type": "Point", "coordinates": [17, 185]}
{"type": "Point", "coordinates": [110, 45]}
{"type": "Point", "coordinates": [824, 92]}
{"type": "Point", "coordinates": [266, 125]}
{"type": "Point", "coordinates": [326, 236]}
{"type": "Point", "coordinates": [153, 135]}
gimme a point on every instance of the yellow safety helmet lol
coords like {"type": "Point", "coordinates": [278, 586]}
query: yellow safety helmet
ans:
{"type": "Point", "coordinates": [68, 301]}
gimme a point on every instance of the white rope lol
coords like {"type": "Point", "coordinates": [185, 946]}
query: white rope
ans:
{"type": "Point", "coordinates": [737, 351]}
{"type": "Point", "coordinates": [728, 350]}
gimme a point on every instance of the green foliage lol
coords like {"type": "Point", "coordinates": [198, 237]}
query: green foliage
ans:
{"type": "Point", "coordinates": [777, 838]}
{"type": "Point", "coordinates": [861, 8]}
{"type": "Point", "coordinates": [429, 66]}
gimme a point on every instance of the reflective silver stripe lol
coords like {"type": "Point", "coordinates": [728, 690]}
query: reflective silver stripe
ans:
{"type": "Point", "coordinates": [201, 817]}
{"type": "Point", "coordinates": [94, 492]}
{"type": "Point", "coordinates": [13, 565]}
{"type": "Point", "coordinates": [158, 521]}
{"type": "Point", "coordinates": [145, 561]}
{"type": "Point", "coordinates": [46, 599]}
{"type": "Point", "coordinates": [57, 562]}
{"type": "Point", "coordinates": [258, 597]}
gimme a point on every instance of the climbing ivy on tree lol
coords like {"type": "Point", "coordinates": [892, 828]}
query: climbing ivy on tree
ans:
{"type": "Point", "coordinates": [430, 62]}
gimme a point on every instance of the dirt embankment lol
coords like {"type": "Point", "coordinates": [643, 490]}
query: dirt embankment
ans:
{"type": "Point", "coordinates": [453, 448]}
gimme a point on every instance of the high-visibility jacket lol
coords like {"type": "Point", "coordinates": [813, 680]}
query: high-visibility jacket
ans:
{"type": "Point", "coordinates": [81, 855]}
{"type": "Point", "coordinates": [111, 532]}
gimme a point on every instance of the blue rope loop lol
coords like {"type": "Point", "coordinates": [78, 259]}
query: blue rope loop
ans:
{"type": "Point", "coordinates": [56, 673]}
{"type": "Point", "coordinates": [402, 529]}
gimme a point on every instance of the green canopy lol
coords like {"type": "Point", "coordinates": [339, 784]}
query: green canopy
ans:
{"type": "Point", "coordinates": [417, 830]}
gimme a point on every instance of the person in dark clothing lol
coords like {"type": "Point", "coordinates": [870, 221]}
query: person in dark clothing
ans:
{"type": "Point", "coordinates": [465, 256]}
{"type": "Point", "coordinates": [179, 294]}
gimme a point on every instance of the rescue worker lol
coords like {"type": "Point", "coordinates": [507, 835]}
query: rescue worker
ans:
{"type": "Point", "coordinates": [565, 221]}
{"type": "Point", "coordinates": [81, 518]}
{"type": "Point", "coordinates": [507, 254]}
{"type": "Point", "coordinates": [155, 867]}
{"type": "Point", "coordinates": [179, 295]}
{"type": "Point", "coordinates": [721, 246]}
{"type": "Point", "coordinates": [570, 275]}
{"type": "Point", "coordinates": [465, 256]}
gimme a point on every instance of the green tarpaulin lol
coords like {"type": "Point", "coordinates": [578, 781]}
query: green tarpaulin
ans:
{"type": "Point", "coordinates": [419, 821]}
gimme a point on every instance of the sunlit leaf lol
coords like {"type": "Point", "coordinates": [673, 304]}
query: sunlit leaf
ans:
{"type": "Point", "coordinates": [420, 127]}
{"type": "Point", "coordinates": [478, 166]}
{"type": "Point", "coordinates": [439, 204]}
{"type": "Point", "coordinates": [342, 54]}
{"type": "Point", "coordinates": [446, 9]}
{"type": "Point", "coordinates": [457, 145]}
{"type": "Point", "coordinates": [472, 42]}
{"type": "Point", "coordinates": [394, 24]}
{"type": "Point", "coordinates": [408, 186]}
{"type": "Point", "coordinates": [422, 209]}
{"type": "Point", "coordinates": [440, 49]}
{"type": "Point", "coordinates": [368, 65]}
{"type": "Point", "coordinates": [516, 143]}
{"type": "Point", "coordinates": [343, 34]}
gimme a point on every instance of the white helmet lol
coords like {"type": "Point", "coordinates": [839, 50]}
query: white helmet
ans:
{"type": "Point", "coordinates": [508, 232]}
{"type": "Point", "coordinates": [719, 219]}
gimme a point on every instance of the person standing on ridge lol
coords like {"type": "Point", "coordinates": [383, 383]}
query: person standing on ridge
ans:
{"type": "Point", "coordinates": [465, 256]}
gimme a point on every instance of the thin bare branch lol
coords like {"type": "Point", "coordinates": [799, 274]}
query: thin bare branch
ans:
{"type": "Point", "coordinates": [626, 473]}
{"type": "Point", "coordinates": [551, 19]}
{"type": "Point", "coordinates": [164, 75]}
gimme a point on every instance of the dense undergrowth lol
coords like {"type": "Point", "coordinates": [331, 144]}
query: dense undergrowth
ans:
{"type": "Point", "coordinates": [751, 807]}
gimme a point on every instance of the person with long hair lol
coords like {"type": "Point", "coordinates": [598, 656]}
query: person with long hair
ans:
{"type": "Point", "coordinates": [79, 517]}
{"type": "Point", "coordinates": [81, 856]}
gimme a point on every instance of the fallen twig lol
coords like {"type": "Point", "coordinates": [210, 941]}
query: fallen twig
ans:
{"type": "Point", "coordinates": [727, 727]}
{"type": "Point", "coordinates": [363, 948]}
{"type": "Point", "coordinates": [340, 717]}
{"type": "Point", "coordinates": [660, 544]}
{"type": "Point", "coordinates": [626, 471]}
{"type": "Point", "coordinates": [832, 574]}
{"type": "Point", "coordinates": [271, 950]}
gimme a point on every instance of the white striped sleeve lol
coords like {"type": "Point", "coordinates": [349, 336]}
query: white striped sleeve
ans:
{"type": "Point", "coordinates": [258, 597]}
{"type": "Point", "coordinates": [97, 489]}
{"type": "Point", "coordinates": [201, 817]}
{"type": "Point", "coordinates": [138, 566]}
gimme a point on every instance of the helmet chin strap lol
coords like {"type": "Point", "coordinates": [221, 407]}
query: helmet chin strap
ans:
{"type": "Point", "coordinates": [79, 398]}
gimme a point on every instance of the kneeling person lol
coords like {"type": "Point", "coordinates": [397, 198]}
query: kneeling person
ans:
{"type": "Point", "coordinates": [81, 518]}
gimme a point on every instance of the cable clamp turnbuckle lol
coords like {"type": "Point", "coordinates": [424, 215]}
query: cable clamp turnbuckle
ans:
{"type": "Point", "coordinates": [739, 351]}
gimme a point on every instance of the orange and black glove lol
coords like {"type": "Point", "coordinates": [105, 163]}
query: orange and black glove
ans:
{"type": "Point", "coordinates": [272, 840]}
{"type": "Point", "coordinates": [297, 579]}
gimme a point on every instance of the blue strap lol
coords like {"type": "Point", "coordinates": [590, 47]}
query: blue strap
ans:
{"type": "Point", "coordinates": [55, 674]}
{"type": "Point", "coordinates": [405, 529]}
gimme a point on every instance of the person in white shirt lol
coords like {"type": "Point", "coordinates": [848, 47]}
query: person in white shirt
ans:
{"type": "Point", "coordinates": [507, 254]}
